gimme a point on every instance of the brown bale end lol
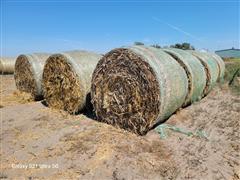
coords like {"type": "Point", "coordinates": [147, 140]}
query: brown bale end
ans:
{"type": "Point", "coordinates": [24, 76]}
{"type": "Point", "coordinates": [63, 88]}
{"type": "Point", "coordinates": [28, 74]}
{"type": "Point", "coordinates": [66, 79]}
{"type": "Point", "coordinates": [129, 87]}
{"type": "Point", "coordinates": [133, 89]}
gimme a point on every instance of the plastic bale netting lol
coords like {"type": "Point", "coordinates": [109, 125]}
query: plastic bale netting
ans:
{"type": "Point", "coordinates": [28, 73]}
{"type": "Point", "coordinates": [211, 69]}
{"type": "Point", "coordinates": [67, 79]}
{"type": "Point", "coordinates": [195, 73]}
{"type": "Point", "coordinates": [7, 65]}
{"type": "Point", "coordinates": [137, 87]}
{"type": "Point", "coordinates": [221, 66]}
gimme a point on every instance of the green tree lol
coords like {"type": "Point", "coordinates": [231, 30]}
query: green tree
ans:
{"type": "Point", "coordinates": [179, 46]}
{"type": "Point", "coordinates": [156, 46]}
{"type": "Point", "coordinates": [184, 46]}
{"type": "Point", "coordinates": [138, 43]}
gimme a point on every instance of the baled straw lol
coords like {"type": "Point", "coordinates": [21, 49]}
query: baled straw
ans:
{"type": "Point", "coordinates": [195, 72]}
{"type": "Point", "coordinates": [28, 73]}
{"type": "Point", "coordinates": [211, 69]}
{"type": "Point", "coordinates": [7, 65]}
{"type": "Point", "coordinates": [137, 87]}
{"type": "Point", "coordinates": [67, 79]}
{"type": "Point", "coordinates": [221, 66]}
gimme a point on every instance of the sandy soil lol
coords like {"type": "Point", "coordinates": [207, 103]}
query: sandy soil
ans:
{"type": "Point", "coordinates": [39, 142]}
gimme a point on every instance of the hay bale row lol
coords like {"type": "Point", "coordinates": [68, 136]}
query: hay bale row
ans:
{"type": "Point", "coordinates": [67, 79]}
{"type": "Point", "coordinates": [211, 68]}
{"type": "Point", "coordinates": [195, 72]}
{"type": "Point", "coordinates": [221, 66]}
{"type": "Point", "coordinates": [7, 65]}
{"type": "Point", "coordinates": [134, 88]}
{"type": "Point", "coordinates": [28, 73]}
{"type": "Point", "coordinates": [137, 87]}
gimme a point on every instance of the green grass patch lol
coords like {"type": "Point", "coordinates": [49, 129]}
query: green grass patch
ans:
{"type": "Point", "coordinates": [232, 65]}
{"type": "Point", "coordinates": [232, 74]}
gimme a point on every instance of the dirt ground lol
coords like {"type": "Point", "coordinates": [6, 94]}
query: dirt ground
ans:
{"type": "Point", "coordinates": [39, 142]}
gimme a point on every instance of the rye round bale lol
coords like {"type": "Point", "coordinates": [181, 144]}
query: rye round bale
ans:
{"type": "Point", "coordinates": [7, 65]}
{"type": "Point", "coordinates": [28, 73]}
{"type": "Point", "coordinates": [67, 79]}
{"type": "Point", "coordinates": [195, 73]}
{"type": "Point", "coordinates": [137, 87]}
{"type": "Point", "coordinates": [211, 69]}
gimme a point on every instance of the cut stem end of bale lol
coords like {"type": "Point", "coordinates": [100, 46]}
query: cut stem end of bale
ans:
{"type": "Point", "coordinates": [61, 85]}
{"type": "Point", "coordinates": [24, 76]}
{"type": "Point", "coordinates": [125, 91]}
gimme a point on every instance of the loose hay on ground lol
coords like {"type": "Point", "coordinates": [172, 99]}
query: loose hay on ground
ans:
{"type": "Point", "coordinates": [17, 97]}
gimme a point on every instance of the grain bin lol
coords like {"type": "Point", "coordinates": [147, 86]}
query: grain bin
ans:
{"type": "Point", "coordinates": [195, 73]}
{"type": "Point", "coordinates": [28, 73]}
{"type": "Point", "coordinates": [137, 87]}
{"type": "Point", "coordinates": [211, 69]}
{"type": "Point", "coordinates": [67, 79]}
{"type": "Point", "coordinates": [7, 65]}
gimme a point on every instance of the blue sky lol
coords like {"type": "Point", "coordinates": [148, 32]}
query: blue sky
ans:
{"type": "Point", "coordinates": [55, 26]}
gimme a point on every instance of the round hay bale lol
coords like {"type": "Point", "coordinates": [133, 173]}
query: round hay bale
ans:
{"type": "Point", "coordinates": [221, 66]}
{"type": "Point", "coordinates": [67, 79]}
{"type": "Point", "coordinates": [137, 87]}
{"type": "Point", "coordinates": [7, 65]}
{"type": "Point", "coordinates": [195, 73]}
{"type": "Point", "coordinates": [28, 73]}
{"type": "Point", "coordinates": [211, 69]}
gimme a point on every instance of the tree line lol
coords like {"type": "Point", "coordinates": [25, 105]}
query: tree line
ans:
{"type": "Point", "coordinates": [184, 46]}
